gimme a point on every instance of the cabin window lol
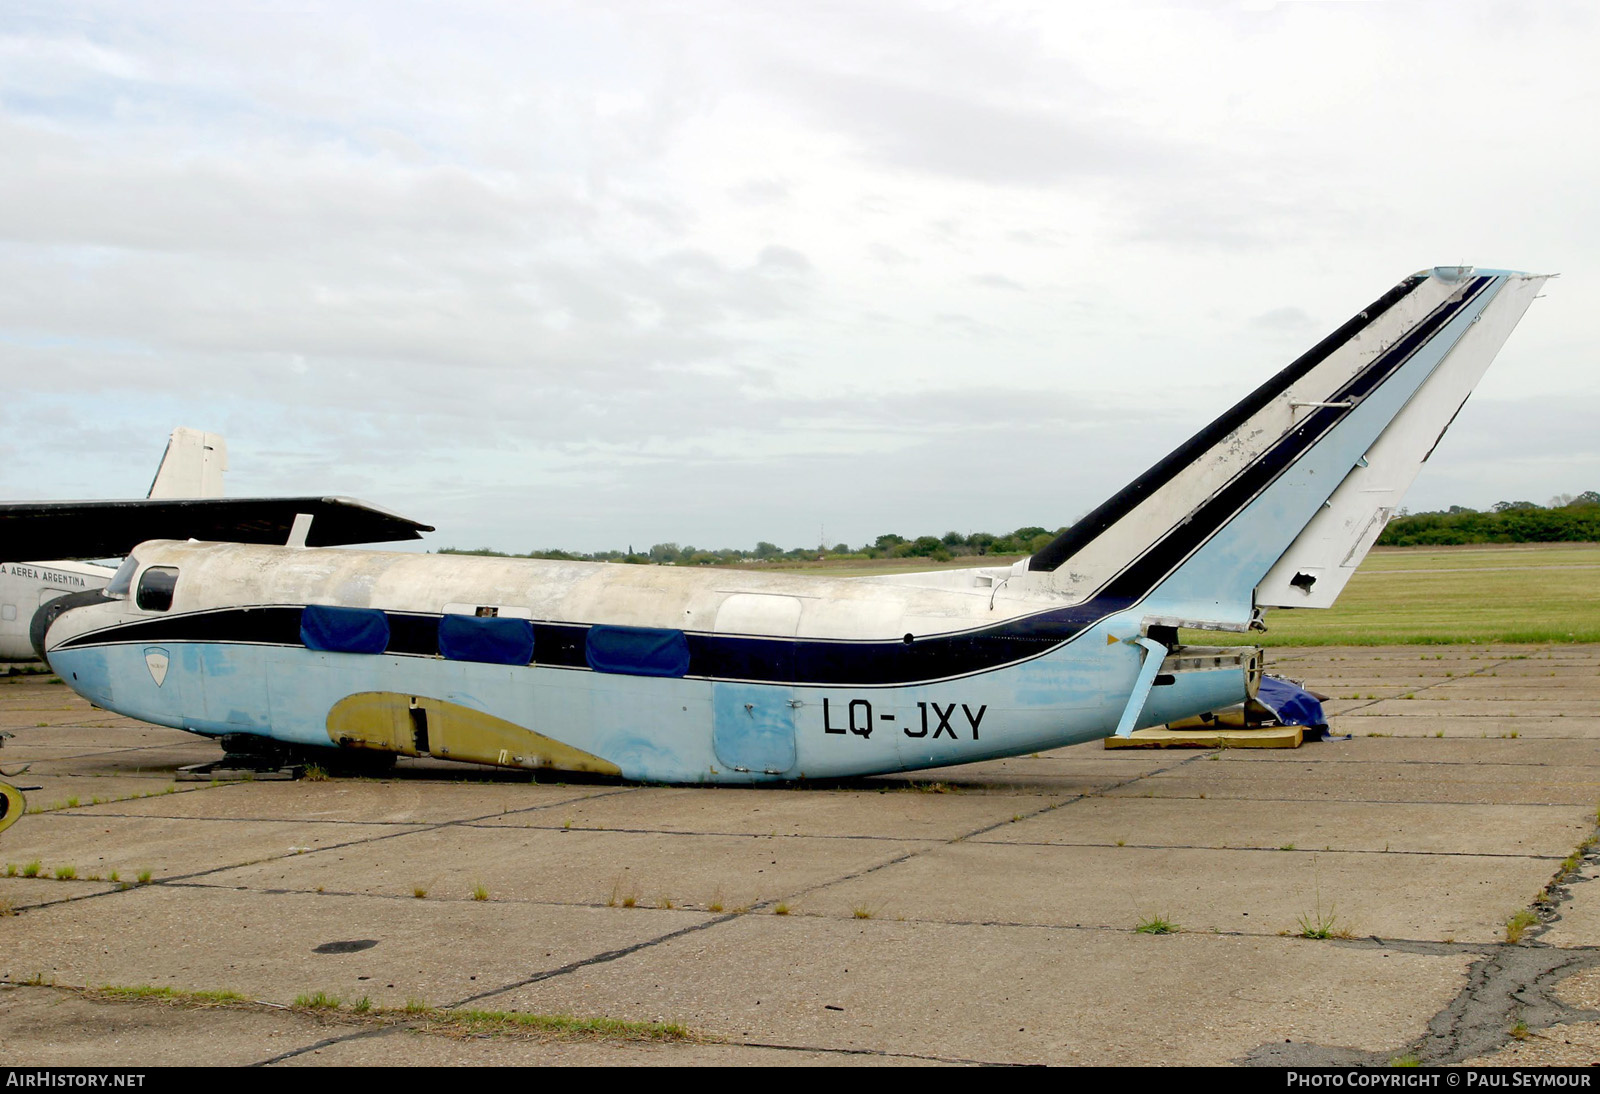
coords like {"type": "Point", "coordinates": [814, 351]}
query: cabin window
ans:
{"type": "Point", "coordinates": [344, 630]}
{"type": "Point", "coordinates": [493, 640]}
{"type": "Point", "coordinates": [637, 651]}
{"type": "Point", "coordinates": [8, 612]}
{"type": "Point", "coordinates": [122, 580]}
{"type": "Point", "coordinates": [155, 588]}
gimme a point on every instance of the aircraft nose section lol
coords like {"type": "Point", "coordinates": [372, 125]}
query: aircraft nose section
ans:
{"type": "Point", "coordinates": [52, 610]}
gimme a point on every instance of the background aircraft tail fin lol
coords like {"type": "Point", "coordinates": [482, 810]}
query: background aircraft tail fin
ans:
{"type": "Point", "coordinates": [1288, 489]}
{"type": "Point", "coordinates": [192, 466]}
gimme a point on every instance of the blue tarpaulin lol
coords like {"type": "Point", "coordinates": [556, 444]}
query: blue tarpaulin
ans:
{"type": "Point", "coordinates": [488, 639]}
{"type": "Point", "coordinates": [1293, 706]}
{"type": "Point", "coordinates": [637, 651]}
{"type": "Point", "coordinates": [344, 630]}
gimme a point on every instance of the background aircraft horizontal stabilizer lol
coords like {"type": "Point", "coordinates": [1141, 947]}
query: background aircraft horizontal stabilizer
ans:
{"type": "Point", "coordinates": [104, 529]}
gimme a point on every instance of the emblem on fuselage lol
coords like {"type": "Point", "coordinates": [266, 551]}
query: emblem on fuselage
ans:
{"type": "Point", "coordinates": [156, 660]}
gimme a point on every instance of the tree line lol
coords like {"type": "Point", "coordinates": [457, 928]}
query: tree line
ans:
{"type": "Point", "coordinates": [1023, 541]}
{"type": "Point", "coordinates": [1567, 518]}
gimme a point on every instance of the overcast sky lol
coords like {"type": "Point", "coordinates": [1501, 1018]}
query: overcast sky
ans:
{"type": "Point", "coordinates": [597, 274]}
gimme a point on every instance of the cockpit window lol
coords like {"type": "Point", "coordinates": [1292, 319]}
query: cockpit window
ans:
{"type": "Point", "coordinates": [155, 588]}
{"type": "Point", "coordinates": [122, 580]}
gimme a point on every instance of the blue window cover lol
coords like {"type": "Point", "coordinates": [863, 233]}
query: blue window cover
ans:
{"type": "Point", "coordinates": [637, 651]}
{"type": "Point", "coordinates": [344, 630]}
{"type": "Point", "coordinates": [489, 639]}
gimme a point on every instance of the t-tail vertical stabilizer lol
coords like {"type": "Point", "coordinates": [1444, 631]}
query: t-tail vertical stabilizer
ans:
{"type": "Point", "coordinates": [192, 465]}
{"type": "Point", "coordinates": [1314, 570]}
{"type": "Point", "coordinates": [1277, 500]}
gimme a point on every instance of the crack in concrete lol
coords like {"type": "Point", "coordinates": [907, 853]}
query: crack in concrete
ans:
{"type": "Point", "coordinates": [317, 1046]}
{"type": "Point", "coordinates": [1511, 982]}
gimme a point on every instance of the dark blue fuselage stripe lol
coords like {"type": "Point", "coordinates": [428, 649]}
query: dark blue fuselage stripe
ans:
{"type": "Point", "coordinates": [792, 661]}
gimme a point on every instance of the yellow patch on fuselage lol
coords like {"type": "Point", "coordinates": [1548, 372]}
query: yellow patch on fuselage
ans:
{"type": "Point", "coordinates": [415, 725]}
{"type": "Point", "coordinates": [12, 805]}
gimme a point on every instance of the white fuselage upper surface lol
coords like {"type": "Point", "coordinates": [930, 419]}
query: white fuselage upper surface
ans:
{"type": "Point", "coordinates": [26, 586]}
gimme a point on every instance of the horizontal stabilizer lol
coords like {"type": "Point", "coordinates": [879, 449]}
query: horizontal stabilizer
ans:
{"type": "Point", "coordinates": [106, 529]}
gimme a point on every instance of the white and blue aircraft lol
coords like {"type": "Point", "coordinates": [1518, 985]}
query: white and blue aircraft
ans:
{"type": "Point", "coordinates": [721, 676]}
{"type": "Point", "coordinates": [191, 467]}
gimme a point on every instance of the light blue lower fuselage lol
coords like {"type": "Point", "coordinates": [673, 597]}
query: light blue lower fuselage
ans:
{"type": "Point", "coordinates": [669, 730]}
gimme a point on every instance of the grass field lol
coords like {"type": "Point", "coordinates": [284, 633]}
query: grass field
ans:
{"type": "Point", "coordinates": [1524, 592]}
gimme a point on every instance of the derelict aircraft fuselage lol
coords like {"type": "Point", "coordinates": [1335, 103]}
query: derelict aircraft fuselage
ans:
{"type": "Point", "coordinates": [733, 676]}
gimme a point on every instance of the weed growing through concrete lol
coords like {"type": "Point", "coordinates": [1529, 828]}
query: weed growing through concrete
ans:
{"type": "Point", "coordinates": [31, 869]}
{"type": "Point", "coordinates": [149, 993]}
{"type": "Point", "coordinates": [317, 1001]}
{"type": "Point", "coordinates": [144, 877]}
{"type": "Point", "coordinates": [781, 909]}
{"type": "Point", "coordinates": [480, 892]}
{"type": "Point", "coordinates": [1318, 924]}
{"type": "Point", "coordinates": [1519, 1030]}
{"type": "Point", "coordinates": [1518, 924]}
{"type": "Point", "coordinates": [861, 911]}
{"type": "Point", "coordinates": [420, 893]}
{"type": "Point", "coordinates": [1156, 924]}
{"type": "Point", "coordinates": [66, 873]}
{"type": "Point", "coordinates": [1405, 1061]}
{"type": "Point", "coordinates": [316, 773]}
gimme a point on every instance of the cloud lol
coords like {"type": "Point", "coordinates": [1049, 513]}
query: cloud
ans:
{"type": "Point", "coordinates": [722, 272]}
